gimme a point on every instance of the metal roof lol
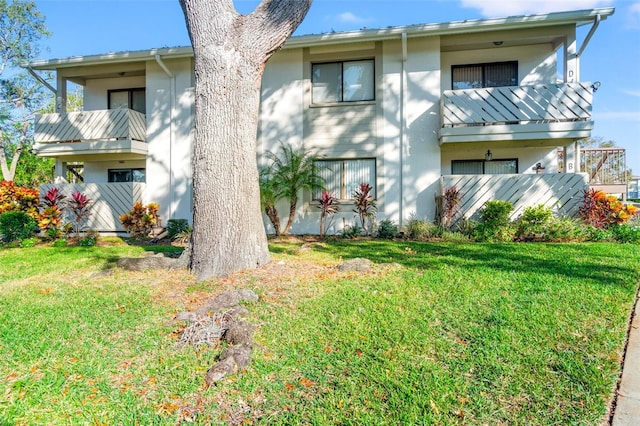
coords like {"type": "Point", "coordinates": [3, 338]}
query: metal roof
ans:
{"type": "Point", "coordinates": [578, 18]}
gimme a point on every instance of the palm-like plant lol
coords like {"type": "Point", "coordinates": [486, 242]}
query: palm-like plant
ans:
{"type": "Point", "coordinates": [292, 171]}
{"type": "Point", "coordinates": [269, 198]}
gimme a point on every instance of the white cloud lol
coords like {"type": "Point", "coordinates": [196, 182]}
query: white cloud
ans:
{"type": "Point", "coordinates": [498, 8]}
{"type": "Point", "coordinates": [351, 18]}
{"type": "Point", "coordinates": [633, 16]}
{"type": "Point", "coordinates": [635, 93]}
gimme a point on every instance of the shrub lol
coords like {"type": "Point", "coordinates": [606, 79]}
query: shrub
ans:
{"type": "Point", "coordinates": [534, 223]}
{"type": "Point", "coordinates": [351, 231]}
{"type": "Point", "coordinates": [365, 206]}
{"type": "Point", "coordinates": [16, 225]}
{"type": "Point", "coordinates": [28, 242]}
{"type": "Point", "coordinates": [494, 222]}
{"type": "Point", "coordinates": [625, 233]}
{"type": "Point", "coordinates": [90, 239]}
{"type": "Point", "coordinates": [141, 219]}
{"type": "Point", "coordinates": [563, 229]}
{"type": "Point", "coordinates": [62, 242]}
{"type": "Point", "coordinates": [422, 229]}
{"type": "Point", "coordinates": [16, 198]}
{"type": "Point", "coordinates": [387, 230]}
{"type": "Point", "coordinates": [603, 211]}
{"type": "Point", "coordinates": [454, 237]}
{"type": "Point", "coordinates": [328, 205]}
{"type": "Point", "coordinates": [176, 226]}
{"type": "Point", "coordinates": [596, 235]}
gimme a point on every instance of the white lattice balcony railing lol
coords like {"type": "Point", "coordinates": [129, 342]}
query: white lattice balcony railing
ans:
{"type": "Point", "coordinates": [90, 126]}
{"type": "Point", "coordinates": [542, 103]}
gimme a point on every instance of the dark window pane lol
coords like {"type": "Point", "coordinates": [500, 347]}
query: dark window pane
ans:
{"type": "Point", "coordinates": [500, 75]}
{"type": "Point", "coordinates": [467, 77]}
{"type": "Point", "coordinates": [139, 101]}
{"type": "Point", "coordinates": [327, 82]}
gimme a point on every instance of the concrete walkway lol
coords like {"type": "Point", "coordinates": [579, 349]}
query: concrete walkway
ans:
{"type": "Point", "coordinates": [627, 411]}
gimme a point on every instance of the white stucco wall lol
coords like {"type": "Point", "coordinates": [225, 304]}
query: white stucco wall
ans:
{"type": "Point", "coordinates": [169, 135]}
{"type": "Point", "coordinates": [98, 171]}
{"type": "Point", "coordinates": [96, 90]}
{"type": "Point", "coordinates": [536, 63]}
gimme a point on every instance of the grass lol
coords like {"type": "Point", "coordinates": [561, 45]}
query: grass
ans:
{"type": "Point", "coordinates": [438, 333]}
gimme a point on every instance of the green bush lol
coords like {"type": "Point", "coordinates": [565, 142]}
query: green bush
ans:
{"type": "Point", "coordinates": [176, 227]}
{"type": "Point", "coordinates": [494, 223]}
{"type": "Point", "coordinates": [534, 223]}
{"type": "Point", "coordinates": [351, 231]}
{"type": "Point", "coordinates": [563, 229]}
{"type": "Point", "coordinates": [626, 234]}
{"type": "Point", "coordinates": [597, 235]}
{"type": "Point", "coordinates": [422, 229]}
{"type": "Point", "coordinates": [454, 237]}
{"type": "Point", "coordinates": [62, 242]}
{"type": "Point", "coordinates": [387, 230]}
{"type": "Point", "coordinates": [28, 242]}
{"type": "Point", "coordinates": [16, 225]}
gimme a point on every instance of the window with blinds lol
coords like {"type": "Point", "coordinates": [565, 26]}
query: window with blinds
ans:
{"type": "Point", "coordinates": [482, 167]}
{"type": "Point", "coordinates": [497, 74]}
{"type": "Point", "coordinates": [342, 177]}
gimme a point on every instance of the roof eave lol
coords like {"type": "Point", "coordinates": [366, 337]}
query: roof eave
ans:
{"type": "Point", "coordinates": [578, 18]}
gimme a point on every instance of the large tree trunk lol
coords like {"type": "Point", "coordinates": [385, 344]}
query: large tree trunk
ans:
{"type": "Point", "coordinates": [231, 51]}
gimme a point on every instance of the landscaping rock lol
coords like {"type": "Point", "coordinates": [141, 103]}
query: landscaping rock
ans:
{"type": "Point", "coordinates": [358, 264]}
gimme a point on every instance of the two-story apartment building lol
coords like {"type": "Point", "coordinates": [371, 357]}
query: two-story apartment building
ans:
{"type": "Point", "coordinates": [482, 105]}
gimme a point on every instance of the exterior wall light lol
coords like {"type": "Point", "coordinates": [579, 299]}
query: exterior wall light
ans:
{"type": "Point", "coordinates": [488, 156]}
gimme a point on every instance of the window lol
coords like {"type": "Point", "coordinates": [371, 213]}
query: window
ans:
{"type": "Point", "coordinates": [343, 81]}
{"type": "Point", "coordinates": [134, 99]}
{"type": "Point", "coordinates": [483, 167]}
{"type": "Point", "coordinates": [497, 74]}
{"type": "Point", "coordinates": [342, 177]}
{"type": "Point", "coordinates": [127, 175]}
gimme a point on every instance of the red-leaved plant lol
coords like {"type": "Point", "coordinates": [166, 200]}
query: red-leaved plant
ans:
{"type": "Point", "coordinates": [79, 207]}
{"type": "Point", "coordinates": [365, 206]}
{"type": "Point", "coordinates": [328, 205]}
{"type": "Point", "coordinates": [50, 221]}
{"type": "Point", "coordinates": [602, 211]}
{"type": "Point", "coordinates": [452, 201]}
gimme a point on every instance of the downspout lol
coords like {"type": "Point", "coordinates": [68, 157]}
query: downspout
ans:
{"type": "Point", "coordinates": [403, 123]}
{"type": "Point", "coordinates": [44, 82]}
{"type": "Point", "coordinates": [592, 31]}
{"type": "Point", "coordinates": [172, 95]}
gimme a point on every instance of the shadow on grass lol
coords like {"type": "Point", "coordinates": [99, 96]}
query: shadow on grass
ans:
{"type": "Point", "coordinates": [605, 263]}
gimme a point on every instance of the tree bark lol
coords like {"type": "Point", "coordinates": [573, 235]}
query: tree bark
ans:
{"type": "Point", "coordinates": [230, 53]}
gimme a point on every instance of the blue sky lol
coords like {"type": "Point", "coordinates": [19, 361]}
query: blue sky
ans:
{"type": "Point", "coordinates": [84, 27]}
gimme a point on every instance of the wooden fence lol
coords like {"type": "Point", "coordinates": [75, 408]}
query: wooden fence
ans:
{"type": "Point", "coordinates": [108, 201]}
{"type": "Point", "coordinates": [562, 191]}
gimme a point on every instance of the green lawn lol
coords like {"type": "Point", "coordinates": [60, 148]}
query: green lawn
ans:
{"type": "Point", "coordinates": [438, 333]}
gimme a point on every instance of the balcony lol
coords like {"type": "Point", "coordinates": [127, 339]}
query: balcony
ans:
{"type": "Point", "coordinates": [78, 136]}
{"type": "Point", "coordinates": [543, 112]}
